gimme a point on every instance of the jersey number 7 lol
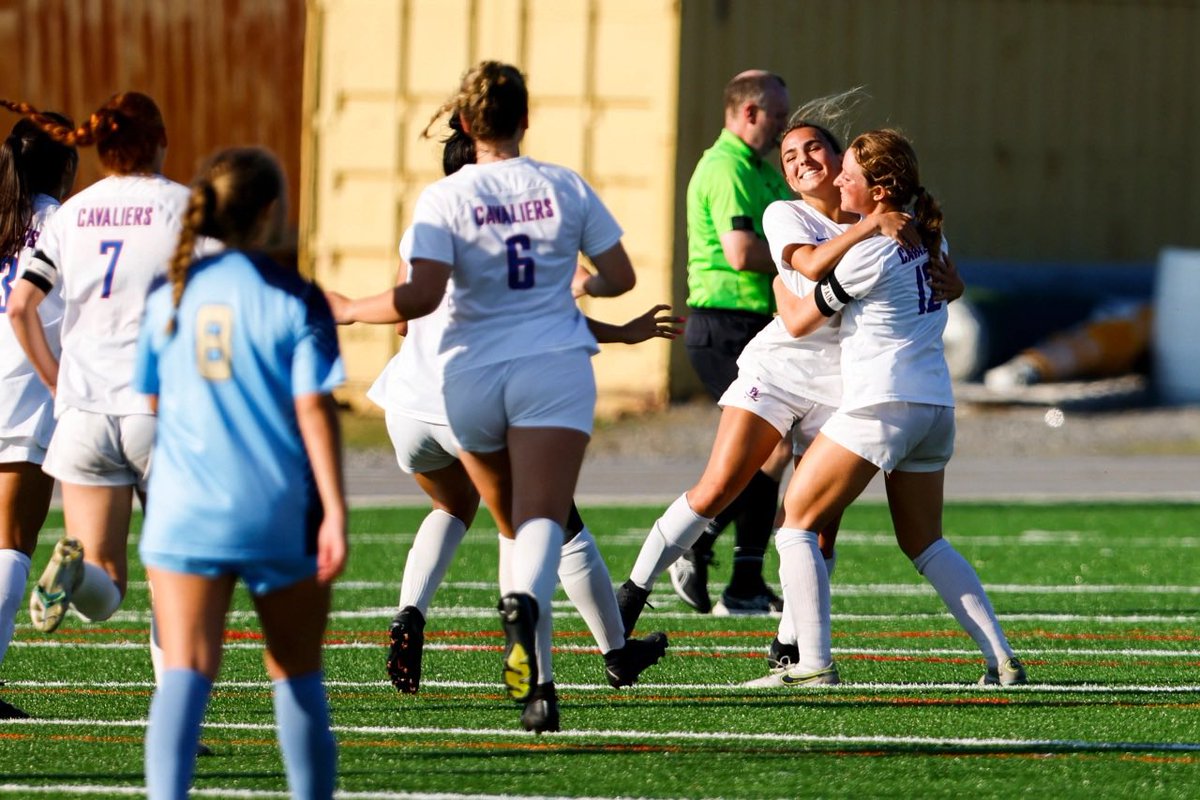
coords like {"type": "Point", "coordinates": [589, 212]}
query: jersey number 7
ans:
{"type": "Point", "coordinates": [114, 246]}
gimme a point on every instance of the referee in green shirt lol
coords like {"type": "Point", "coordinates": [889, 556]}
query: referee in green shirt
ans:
{"type": "Point", "coordinates": [729, 275]}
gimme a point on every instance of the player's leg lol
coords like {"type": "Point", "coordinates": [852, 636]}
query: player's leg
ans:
{"type": "Point", "coordinates": [455, 502]}
{"type": "Point", "coordinates": [743, 442]}
{"type": "Point", "coordinates": [190, 611]}
{"type": "Point", "coordinates": [88, 569]}
{"type": "Point", "coordinates": [294, 619]}
{"type": "Point", "coordinates": [586, 580]}
{"type": "Point", "coordinates": [827, 480]}
{"type": "Point", "coordinates": [915, 500]}
{"type": "Point", "coordinates": [24, 501]}
{"type": "Point", "coordinates": [748, 591]}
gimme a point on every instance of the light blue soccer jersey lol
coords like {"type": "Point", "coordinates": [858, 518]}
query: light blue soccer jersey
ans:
{"type": "Point", "coordinates": [230, 477]}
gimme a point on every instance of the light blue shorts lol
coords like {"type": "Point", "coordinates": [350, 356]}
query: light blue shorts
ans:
{"type": "Point", "coordinates": [260, 575]}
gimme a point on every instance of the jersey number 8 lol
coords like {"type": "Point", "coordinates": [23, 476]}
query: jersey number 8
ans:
{"type": "Point", "coordinates": [214, 342]}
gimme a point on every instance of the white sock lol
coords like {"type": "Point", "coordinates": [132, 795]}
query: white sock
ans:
{"type": "Point", "coordinates": [673, 533]}
{"type": "Point", "coordinates": [585, 579]}
{"type": "Point", "coordinates": [157, 660]}
{"type": "Point", "coordinates": [535, 557]}
{"type": "Point", "coordinates": [958, 585]}
{"type": "Point", "coordinates": [505, 564]}
{"type": "Point", "coordinates": [787, 630]}
{"type": "Point", "coordinates": [806, 596]}
{"type": "Point", "coordinates": [14, 574]}
{"type": "Point", "coordinates": [97, 596]}
{"type": "Point", "coordinates": [432, 550]}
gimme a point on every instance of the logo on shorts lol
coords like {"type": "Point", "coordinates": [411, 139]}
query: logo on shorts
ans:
{"type": "Point", "coordinates": [752, 393]}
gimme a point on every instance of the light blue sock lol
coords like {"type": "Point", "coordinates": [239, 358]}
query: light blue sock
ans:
{"type": "Point", "coordinates": [302, 724]}
{"type": "Point", "coordinates": [174, 732]}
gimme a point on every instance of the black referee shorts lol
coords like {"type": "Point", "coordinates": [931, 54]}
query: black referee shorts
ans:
{"type": "Point", "coordinates": [714, 338]}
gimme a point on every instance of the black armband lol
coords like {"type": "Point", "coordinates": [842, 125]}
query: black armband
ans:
{"type": "Point", "coordinates": [38, 281]}
{"type": "Point", "coordinates": [830, 296]}
{"type": "Point", "coordinates": [742, 224]}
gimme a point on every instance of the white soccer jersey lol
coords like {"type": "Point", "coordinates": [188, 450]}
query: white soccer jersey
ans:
{"type": "Point", "coordinates": [512, 231]}
{"type": "Point", "coordinates": [810, 366]}
{"type": "Point", "coordinates": [26, 405]}
{"type": "Point", "coordinates": [105, 247]}
{"type": "Point", "coordinates": [411, 383]}
{"type": "Point", "coordinates": [891, 328]}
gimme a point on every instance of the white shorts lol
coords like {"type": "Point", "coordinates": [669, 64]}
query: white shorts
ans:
{"type": "Point", "coordinates": [91, 449]}
{"type": "Point", "coordinates": [548, 390]}
{"type": "Point", "coordinates": [420, 446]}
{"type": "Point", "coordinates": [16, 451]}
{"type": "Point", "coordinates": [910, 437]}
{"type": "Point", "coordinates": [785, 412]}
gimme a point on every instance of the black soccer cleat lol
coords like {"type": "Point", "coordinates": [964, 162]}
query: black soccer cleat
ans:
{"type": "Point", "coordinates": [9, 711]}
{"type": "Point", "coordinates": [407, 633]}
{"type": "Point", "coordinates": [781, 656]}
{"type": "Point", "coordinates": [631, 599]}
{"type": "Point", "coordinates": [518, 615]}
{"type": "Point", "coordinates": [541, 712]}
{"type": "Point", "coordinates": [623, 667]}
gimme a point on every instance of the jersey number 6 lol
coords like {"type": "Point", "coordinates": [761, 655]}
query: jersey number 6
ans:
{"type": "Point", "coordinates": [520, 267]}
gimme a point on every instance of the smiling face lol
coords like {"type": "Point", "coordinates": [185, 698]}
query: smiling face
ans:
{"type": "Point", "coordinates": [857, 196]}
{"type": "Point", "coordinates": [809, 161]}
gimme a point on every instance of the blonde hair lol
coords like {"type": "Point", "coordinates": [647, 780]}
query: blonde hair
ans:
{"type": "Point", "coordinates": [228, 199]}
{"type": "Point", "coordinates": [492, 99]}
{"type": "Point", "coordinates": [889, 161]}
{"type": "Point", "coordinates": [831, 115]}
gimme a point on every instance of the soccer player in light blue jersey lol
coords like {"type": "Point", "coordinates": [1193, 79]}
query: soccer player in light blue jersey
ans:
{"type": "Point", "coordinates": [240, 355]}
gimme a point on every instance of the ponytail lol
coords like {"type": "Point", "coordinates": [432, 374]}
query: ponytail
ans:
{"type": "Point", "coordinates": [198, 209]}
{"type": "Point", "coordinates": [928, 216]}
{"type": "Point", "coordinates": [31, 162]}
{"type": "Point", "coordinates": [127, 131]}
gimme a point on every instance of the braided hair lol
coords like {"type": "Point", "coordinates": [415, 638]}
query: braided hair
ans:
{"type": "Point", "coordinates": [230, 200]}
{"type": "Point", "coordinates": [127, 131]}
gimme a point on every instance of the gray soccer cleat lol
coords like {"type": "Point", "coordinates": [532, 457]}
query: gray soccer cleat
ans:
{"type": "Point", "coordinates": [793, 676]}
{"type": "Point", "coordinates": [51, 596]}
{"type": "Point", "coordinates": [1010, 673]}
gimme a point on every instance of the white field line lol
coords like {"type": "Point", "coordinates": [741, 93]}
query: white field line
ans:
{"type": "Point", "coordinates": [644, 687]}
{"type": "Point", "coordinates": [680, 643]}
{"type": "Point", "coordinates": [845, 589]}
{"type": "Point", "coordinates": [643, 736]}
{"type": "Point", "coordinates": [564, 610]}
{"type": "Point", "coordinates": [85, 789]}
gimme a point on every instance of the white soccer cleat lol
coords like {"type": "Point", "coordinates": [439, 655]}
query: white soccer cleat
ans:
{"type": "Point", "coordinates": [793, 676]}
{"type": "Point", "coordinates": [51, 596]}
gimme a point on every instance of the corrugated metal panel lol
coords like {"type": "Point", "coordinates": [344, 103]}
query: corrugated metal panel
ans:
{"type": "Point", "coordinates": [1050, 129]}
{"type": "Point", "coordinates": [224, 72]}
{"type": "Point", "coordinates": [385, 67]}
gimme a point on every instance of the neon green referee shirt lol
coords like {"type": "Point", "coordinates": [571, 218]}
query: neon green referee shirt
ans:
{"type": "Point", "coordinates": [729, 190]}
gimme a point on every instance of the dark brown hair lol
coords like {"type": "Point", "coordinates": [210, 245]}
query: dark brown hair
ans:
{"type": "Point", "coordinates": [30, 163]}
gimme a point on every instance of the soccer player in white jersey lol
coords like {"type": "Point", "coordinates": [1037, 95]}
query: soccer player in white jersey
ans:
{"type": "Point", "coordinates": [36, 172]}
{"type": "Point", "coordinates": [784, 384]}
{"type": "Point", "coordinates": [896, 415]}
{"type": "Point", "coordinates": [103, 249]}
{"type": "Point", "coordinates": [510, 229]}
{"type": "Point", "coordinates": [410, 391]}
{"type": "Point", "coordinates": [240, 354]}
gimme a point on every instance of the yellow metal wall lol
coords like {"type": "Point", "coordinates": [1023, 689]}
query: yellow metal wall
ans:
{"type": "Point", "coordinates": [1050, 130]}
{"type": "Point", "coordinates": [602, 77]}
